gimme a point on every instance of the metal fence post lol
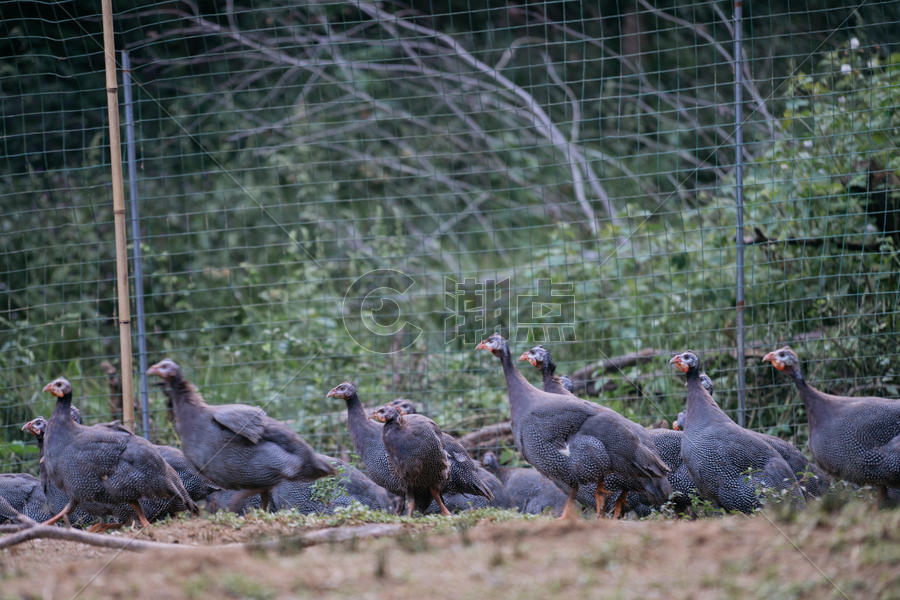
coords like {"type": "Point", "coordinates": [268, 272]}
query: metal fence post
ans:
{"type": "Point", "coordinates": [136, 240]}
{"type": "Point", "coordinates": [739, 194]}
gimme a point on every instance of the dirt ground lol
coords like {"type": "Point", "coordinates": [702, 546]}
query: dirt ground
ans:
{"type": "Point", "coordinates": [853, 552]}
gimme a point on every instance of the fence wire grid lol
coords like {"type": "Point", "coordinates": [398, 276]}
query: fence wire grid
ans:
{"type": "Point", "coordinates": [361, 191]}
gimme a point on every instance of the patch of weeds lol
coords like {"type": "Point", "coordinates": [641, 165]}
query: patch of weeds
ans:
{"type": "Point", "coordinates": [239, 585]}
{"type": "Point", "coordinates": [600, 557]}
{"type": "Point", "coordinates": [413, 543]}
{"type": "Point", "coordinates": [381, 564]}
{"type": "Point", "coordinates": [838, 496]}
{"type": "Point", "coordinates": [496, 559]}
{"type": "Point", "coordinates": [701, 507]}
{"type": "Point", "coordinates": [517, 552]}
{"type": "Point", "coordinates": [326, 490]}
{"type": "Point", "coordinates": [781, 504]}
{"type": "Point", "coordinates": [227, 518]}
{"type": "Point", "coordinates": [196, 586]}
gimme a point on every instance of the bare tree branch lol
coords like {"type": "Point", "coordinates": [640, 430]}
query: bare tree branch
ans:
{"type": "Point", "coordinates": [760, 238]}
{"type": "Point", "coordinates": [554, 135]}
{"type": "Point", "coordinates": [489, 433]}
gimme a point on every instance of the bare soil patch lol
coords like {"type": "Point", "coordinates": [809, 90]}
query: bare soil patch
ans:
{"type": "Point", "coordinates": [853, 553]}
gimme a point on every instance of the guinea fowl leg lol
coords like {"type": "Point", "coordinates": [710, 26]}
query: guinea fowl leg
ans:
{"type": "Point", "coordinates": [440, 502]}
{"type": "Point", "coordinates": [620, 505]}
{"type": "Point", "coordinates": [100, 527]}
{"type": "Point", "coordinates": [600, 495]}
{"type": "Point", "coordinates": [140, 514]}
{"type": "Point", "coordinates": [63, 513]}
{"type": "Point", "coordinates": [401, 506]}
{"type": "Point", "coordinates": [410, 505]}
{"type": "Point", "coordinates": [264, 500]}
{"type": "Point", "coordinates": [569, 510]}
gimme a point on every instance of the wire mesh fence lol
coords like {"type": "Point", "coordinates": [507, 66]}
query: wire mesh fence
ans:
{"type": "Point", "coordinates": [360, 191]}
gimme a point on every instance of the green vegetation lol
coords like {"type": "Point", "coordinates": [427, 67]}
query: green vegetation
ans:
{"type": "Point", "coordinates": [278, 165]}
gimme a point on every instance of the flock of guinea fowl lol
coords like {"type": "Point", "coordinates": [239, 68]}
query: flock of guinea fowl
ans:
{"type": "Point", "coordinates": [581, 452]}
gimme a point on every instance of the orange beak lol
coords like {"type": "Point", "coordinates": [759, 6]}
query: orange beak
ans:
{"type": "Point", "coordinates": [49, 388]}
{"type": "Point", "coordinates": [675, 426]}
{"type": "Point", "coordinates": [154, 370]}
{"type": "Point", "coordinates": [770, 358]}
{"type": "Point", "coordinates": [678, 364]}
{"type": "Point", "coordinates": [376, 417]}
{"type": "Point", "coordinates": [529, 358]}
{"type": "Point", "coordinates": [332, 393]}
{"type": "Point", "coordinates": [482, 346]}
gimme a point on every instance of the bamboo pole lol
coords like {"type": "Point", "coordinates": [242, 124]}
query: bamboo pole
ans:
{"type": "Point", "coordinates": [115, 152]}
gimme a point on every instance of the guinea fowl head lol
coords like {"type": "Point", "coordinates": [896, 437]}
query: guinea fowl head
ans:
{"type": "Point", "coordinates": [785, 360]}
{"type": "Point", "coordinates": [686, 362]}
{"type": "Point", "coordinates": [167, 368]}
{"type": "Point", "coordinates": [343, 391]}
{"type": "Point", "coordinates": [385, 414]}
{"type": "Point", "coordinates": [537, 356]}
{"type": "Point", "coordinates": [707, 383]}
{"type": "Point", "coordinates": [59, 387]}
{"type": "Point", "coordinates": [490, 462]}
{"type": "Point", "coordinates": [36, 427]}
{"type": "Point", "coordinates": [403, 406]}
{"type": "Point", "coordinates": [678, 425]}
{"type": "Point", "coordinates": [495, 344]}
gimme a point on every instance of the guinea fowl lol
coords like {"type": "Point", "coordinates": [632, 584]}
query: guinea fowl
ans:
{"type": "Point", "coordinates": [197, 486]}
{"type": "Point", "coordinates": [529, 491]}
{"type": "Point", "coordinates": [102, 465]}
{"type": "Point", "coordinates": [814, 481]}
{"type": "Point", "coordinates": [666, 442]}
{"type": "Point", "coordinates": [540, 359]}
{"type": "Point", "coordinates": [727, 463]}
{"type": "Point", "coordinates": [416, 453]}
{"type": "Point", "coordinates": [367, 439]}
{"type": "Point", "coordinates": [852, 438]}
{"type": "Point", "coordinates": [465, 477]}
{"type": "Point", "coordinates": [54, 497]}
{"type": "Point", "coordinates": [24, 494]}
{"type": "Point", "coordinates": [574, 442]}
{"type": "Point", "coordinates": [237, 446]}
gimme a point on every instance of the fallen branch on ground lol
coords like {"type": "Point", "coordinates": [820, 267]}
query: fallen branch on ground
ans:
{"type": "Point", "coordinates": [35, 531]}
{"type": "Point", "coordinates": [488, 433]}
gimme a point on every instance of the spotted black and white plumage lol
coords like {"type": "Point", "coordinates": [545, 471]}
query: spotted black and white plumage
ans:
{"type": "Point", "coordinates": [728, 464]}
{"type": "Point", "coordinates": [529, 491]}
{"type": "Point", "coordinates": [574, 442]}
{"type": "Point", "coordinates": [367, 440]}
{"type": "Point", "coordinates": [103, 465]}
{"type": "Point", "coordinates": [25, 494]}
{"type": "Point", "coordinates": [416, 453]}
{"type": "Point", "coordinates": [237, 446]}
{"type": "Point", "coordinates": [813, 479]}
{"type": "Point", "coordinates": [851, 438]}
{"type": "Point", "coordinates": [667, 444]}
